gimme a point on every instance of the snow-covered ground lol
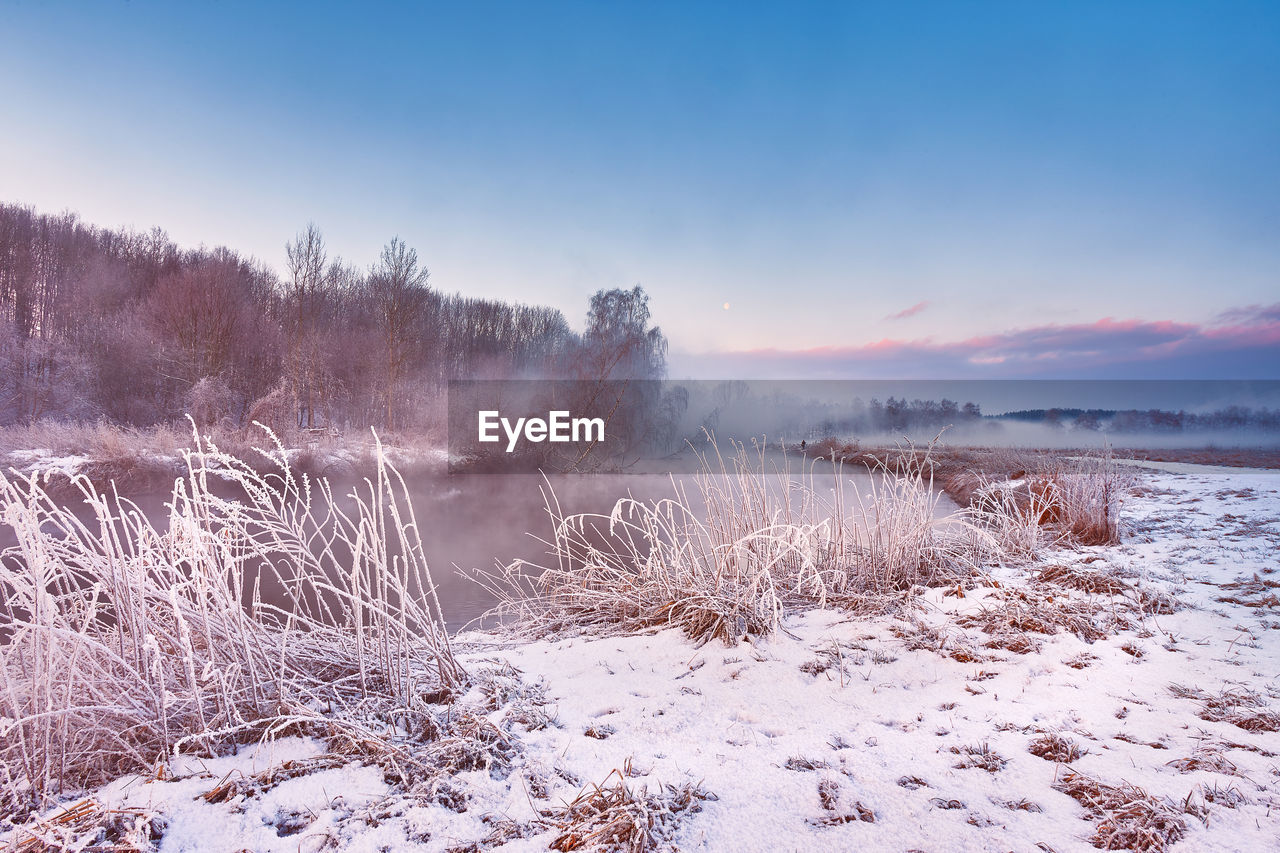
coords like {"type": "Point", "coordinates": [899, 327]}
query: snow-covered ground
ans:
{"type": "Point", "coordinates": [43, 461]}
{"type": "Point", "coordinates": [911, 732]}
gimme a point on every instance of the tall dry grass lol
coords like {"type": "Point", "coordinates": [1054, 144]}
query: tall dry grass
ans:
{"type": "Point", "coordinates": [730, 557]}
{"type": "Point", "coordinates": [1091, 491]}
{"type": "Point", "coordinates": [1028, 499]}
{"type": "Point", "coordinates": [94, 439]}
{"type": "Point", "coordinates": [1053, 500]}
{"type": "Point", "coordinates": [122, 641]}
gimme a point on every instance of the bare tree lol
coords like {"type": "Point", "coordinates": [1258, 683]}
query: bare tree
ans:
{"type": "Point", "coordinates": [398, 288]}
{"type": "Point", "coordinates": [615, 366]}
{"type": "Point", "coordinates": [307, 259]}
{"type": "Point", "coordinates": [619, 343]}
{"type": "Point", "coordinates": [199, 311]}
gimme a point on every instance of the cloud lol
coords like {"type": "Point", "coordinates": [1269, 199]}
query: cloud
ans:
{"type": "Point", "coordinates": [909, 312]}
{"type": "Point", "coordinates": [1250, 314]}
{"type": "Point", "coordinates": [1242, 343]}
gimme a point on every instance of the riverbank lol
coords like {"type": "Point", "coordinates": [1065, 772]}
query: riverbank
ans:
{"type": "Point", "coordinates": [1121, 695]}
{"type": "Point", "coordinates": [146, 459]}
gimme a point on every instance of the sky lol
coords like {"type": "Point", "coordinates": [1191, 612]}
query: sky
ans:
{"type": "Point", "coordinates": [806, 190]}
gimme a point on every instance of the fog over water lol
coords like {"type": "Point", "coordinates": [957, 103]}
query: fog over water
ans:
{"type": "Point", "coordinates": [677, 414]}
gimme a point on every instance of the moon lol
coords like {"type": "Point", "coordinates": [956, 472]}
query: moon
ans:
{"type": "Point", "coordinates": [726, 306]}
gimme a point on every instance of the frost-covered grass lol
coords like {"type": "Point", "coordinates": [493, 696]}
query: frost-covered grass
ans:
{"type": "Point", "coordinates": [747, 544]}
{"type": "Point", "coordinates": [1091, 495]}
{"type": "Point", "coordinates": [750, 542]}
{"type": "Point", "coordinates": [99, 440]}
{"type": "Point", "coordinates": [1035, 500]}
{"type": "Point", "coordinates": [123, 642]}
{"type": "Point", "coordinates": [1028, 499]}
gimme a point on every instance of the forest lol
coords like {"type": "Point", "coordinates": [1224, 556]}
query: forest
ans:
{"type": "Point", "coordinates": [126, 326]}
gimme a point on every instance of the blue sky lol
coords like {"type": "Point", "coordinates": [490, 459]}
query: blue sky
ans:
{"type": "Point", "coordinates": [886, 189]}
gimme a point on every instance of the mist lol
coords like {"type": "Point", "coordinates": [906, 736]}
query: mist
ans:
{"type": "Point", "coordinates": [1014, 414]}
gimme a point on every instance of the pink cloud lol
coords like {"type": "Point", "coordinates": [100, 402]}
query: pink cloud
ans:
{"type": "Point", "coordinates": [1240, 343]}
{"type": "Point", "coordinates": [909, 312]}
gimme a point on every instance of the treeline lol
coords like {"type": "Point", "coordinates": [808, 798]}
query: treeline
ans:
{"type": "Point", "coordinates": [1051, 416]}
{"type": "Point", "coordinates": [1153, 420]}
{"type": "Point", "coordinates": [736, 408]}
{"type": "Point", "coordinates": [98, 323]}
{"type": "Point", "coordinates": [1229, 418]}
{"type": "Point", "coordinates": [898, 415]}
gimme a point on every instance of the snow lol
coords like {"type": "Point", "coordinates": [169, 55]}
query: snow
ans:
{"type": "Point", "coordinates": [46, 462]}
{"type": "Point", "coordinates": [1196, 469]}
{"type": "Point", "coordinates": [254, 823]}
{"type": "Point", "coordinates": [839, 700]}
